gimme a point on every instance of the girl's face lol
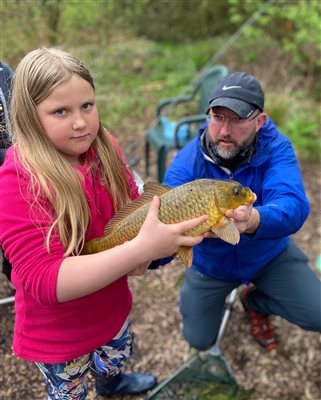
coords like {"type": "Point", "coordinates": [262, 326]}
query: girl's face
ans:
{"type": "Point", "coordinates": [70, 118]}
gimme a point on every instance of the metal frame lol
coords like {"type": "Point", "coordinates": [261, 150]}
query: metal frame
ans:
{"type": "Point", "coordinates": [6, 300]}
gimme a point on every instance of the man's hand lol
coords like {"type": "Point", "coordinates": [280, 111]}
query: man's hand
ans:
{"type": "Point", "coordinates": [246, 219]}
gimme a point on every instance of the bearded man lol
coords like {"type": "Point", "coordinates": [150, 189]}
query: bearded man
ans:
{"type": "Point", "coordinates": [240, 142]}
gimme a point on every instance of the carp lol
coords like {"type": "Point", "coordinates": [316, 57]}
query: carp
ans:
{"type": "Point", "coordinates": [212, 197]}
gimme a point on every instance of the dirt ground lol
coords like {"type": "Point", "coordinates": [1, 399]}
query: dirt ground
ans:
{"type": "Point", "coordinates": [291, 372]}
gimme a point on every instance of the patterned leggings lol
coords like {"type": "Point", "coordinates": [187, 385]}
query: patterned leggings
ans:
{"type": "Point", "coordinates": [67, 380]}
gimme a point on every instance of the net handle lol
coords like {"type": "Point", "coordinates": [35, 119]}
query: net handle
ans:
{"type": "Point", "coordinates": [229, 302]}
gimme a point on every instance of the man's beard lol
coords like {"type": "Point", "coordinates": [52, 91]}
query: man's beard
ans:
{"type": "Point", "coordinates": [233, 152]}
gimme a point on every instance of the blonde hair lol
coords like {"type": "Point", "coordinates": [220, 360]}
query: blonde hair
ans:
{"type": "Point", "coordinates": [36, 76]}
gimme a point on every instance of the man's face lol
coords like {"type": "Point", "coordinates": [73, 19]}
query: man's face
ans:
{"type": "Point", "coordinates": [230, 135]}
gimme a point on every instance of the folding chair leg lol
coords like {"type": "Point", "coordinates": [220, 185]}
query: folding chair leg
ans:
{"type": "Point", "coordinates": [6, 300]}
{"type": "Point", "coordinates": [161, 167]}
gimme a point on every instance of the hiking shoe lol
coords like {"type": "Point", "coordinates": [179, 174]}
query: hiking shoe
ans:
{"type": "Point", "coordinates": [262, 328]}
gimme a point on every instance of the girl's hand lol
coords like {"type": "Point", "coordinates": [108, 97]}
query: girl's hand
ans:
{"type": "Point", "coordinates": [140, 270]}
{"type": "Point", "coordinates": [159, 240]}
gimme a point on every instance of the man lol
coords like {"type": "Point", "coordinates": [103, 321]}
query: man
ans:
{"type": "Point", "coordinates": [240, 142]}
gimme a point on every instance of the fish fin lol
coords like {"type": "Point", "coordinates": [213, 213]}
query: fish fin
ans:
{"type": "Point", "coordinates": [227, 231]}
{"type": "Point", "coordinates": [150, 189]}
{"type": "Point", "coordinates": [185, 253]}
{"type": "Point", "coordinates": [155, 188]}
{"type": "Point", "coordinates": [126, 211]}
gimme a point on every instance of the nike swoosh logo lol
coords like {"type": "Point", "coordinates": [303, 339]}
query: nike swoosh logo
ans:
{"type": "Point", "coordinates": [231, 87]}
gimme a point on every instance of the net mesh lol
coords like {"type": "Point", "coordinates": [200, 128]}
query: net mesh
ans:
{"type": "Point", "coordinates": [204, 377]}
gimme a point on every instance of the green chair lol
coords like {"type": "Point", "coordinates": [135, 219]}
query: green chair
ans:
{"type": "Point", "coordinates": [165, 135]}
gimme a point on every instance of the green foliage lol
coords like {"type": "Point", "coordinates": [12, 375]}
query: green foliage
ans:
{"type": "Point", "coordinates": [18, 33]}
{"type": "Point", "coordinates": [142, 51]}
{"type": "Point", "coordinates": [176, 21]}
{"type": "Point", "coordinates": [300, 120]}
{"type": "Point", "coordinates": [131, 76]}
{"type": "Point", "coordinates": [277, 106]}
{"type": "Point", "coordinates": [296, 25]}
{"type": "Point", "coordinates": [304, 131]}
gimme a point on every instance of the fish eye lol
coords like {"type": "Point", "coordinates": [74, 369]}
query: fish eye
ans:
{"type": "Point", "coordinates": [236, 191]}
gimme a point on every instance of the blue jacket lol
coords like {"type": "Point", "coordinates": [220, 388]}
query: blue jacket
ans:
{"type": "Point", "coordinates": [274, 176]}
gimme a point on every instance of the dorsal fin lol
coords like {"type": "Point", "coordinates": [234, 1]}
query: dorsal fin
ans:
{"type": "Point", "coordinates": [155, 188]}
{"type": "Point", "coordinates": [150, 189]}
{"type": "Point", "coordinates": [124, 212]}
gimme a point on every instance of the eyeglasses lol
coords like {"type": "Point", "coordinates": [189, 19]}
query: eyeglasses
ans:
{"type": "Point", "coordinates": [233, 120]}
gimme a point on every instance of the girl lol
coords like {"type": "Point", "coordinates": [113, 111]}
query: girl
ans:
{"type": "Point", "coordinates": [62, 181]}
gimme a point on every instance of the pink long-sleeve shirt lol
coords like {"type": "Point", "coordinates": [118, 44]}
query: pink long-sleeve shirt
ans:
{"type": "Point", "coordinates": [45, 330]}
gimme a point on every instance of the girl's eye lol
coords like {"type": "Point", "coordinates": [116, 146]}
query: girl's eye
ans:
{"type": "Point", "coordinates": [87, 106]}
{"type": "Point", "coordinates": [61, 111]}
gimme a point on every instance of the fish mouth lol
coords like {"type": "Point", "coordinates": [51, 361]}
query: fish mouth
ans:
{"type": "Point", "coordinates": [251, 197]}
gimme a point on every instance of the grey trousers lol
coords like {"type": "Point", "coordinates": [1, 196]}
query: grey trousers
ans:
{"type": "Point", "coordinates": [286, 287]}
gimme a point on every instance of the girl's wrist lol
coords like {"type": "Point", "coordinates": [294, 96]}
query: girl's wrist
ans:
{"type": "Point", "coordinates": [137, 250]}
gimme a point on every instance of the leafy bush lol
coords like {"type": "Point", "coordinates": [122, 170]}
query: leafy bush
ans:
{"type": "Point", "coordinates": [304, 131]}
{"type": "Point", "coordinates": [296, 26]}
{"type": "Point", "coordinates": [300, 120]}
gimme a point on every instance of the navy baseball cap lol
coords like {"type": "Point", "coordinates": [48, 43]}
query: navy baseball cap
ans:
{"type": "Point", "coordinates": [239, 92]}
